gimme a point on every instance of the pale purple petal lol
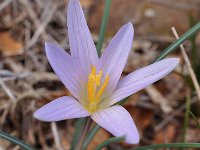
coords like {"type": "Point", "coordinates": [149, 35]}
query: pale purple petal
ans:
{"type": "Point", "coordinates": [141, 78]}
{"type": "Point", "coordinates": [64, 66]}
{"type": "Point", "coordinates": [81, 43]}
{"type": "Point", "coordinates": [62, 108]}
{"type": "Point", "coordinates": [118, 122]}
{"type": "Point", "coordinates": [114, 58]}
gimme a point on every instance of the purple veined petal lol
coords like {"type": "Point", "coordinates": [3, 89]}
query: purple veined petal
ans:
{"type": "Point", "coordinates": [64, 66]}
{"type": "Point", "coordinates": [62, 108]}
{"type": "Point", "coordinates": [118, 122]}
{"type": "Point", "coordinates": [141, 78]}
{"type": "Point", "coordinates": [114, 58]}
{"type": "Point", "coordinates": [81, 43]}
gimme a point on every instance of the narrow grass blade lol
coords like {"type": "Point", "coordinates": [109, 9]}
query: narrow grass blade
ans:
{"type": "Point", "coordinates": [103, 26]}
{"type": "Point", "coordinates": [195, 119]}
{"type": "Point", "coordinates": [78, 128]}
{"type": "Point", "coordinates": [170, 145]}
{"type": "Point", "coordinates": [110, 140]}
{"type": "Point", "coordinates": [186, 118]}
{"type": "Point", "coordinates": [90, 136]}
{"type": "Point", "coordinates": [194, 50]}
{"type": "Point", "coordinates": [195, 29]}
{"type": "Point", "coordinates": [14, 140]}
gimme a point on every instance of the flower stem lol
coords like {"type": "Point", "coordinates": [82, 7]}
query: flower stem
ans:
{"type": "Point", "coordinates": [103, 26]}
{"type": "Point", "coordinates": [84, 133]}
{"type": "Point", "coordinates": [90, 136]}
{"type": "Point", "coordinates": [78, 129]}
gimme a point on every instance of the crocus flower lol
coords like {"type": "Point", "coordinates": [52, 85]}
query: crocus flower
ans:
{"type": "Point", "coordinates": [94, 82]}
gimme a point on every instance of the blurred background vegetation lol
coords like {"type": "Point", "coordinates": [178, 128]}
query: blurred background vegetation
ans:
{"type": "Point", "coordinates": [165, 112]}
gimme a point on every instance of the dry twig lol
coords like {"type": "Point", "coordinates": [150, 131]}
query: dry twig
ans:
{"type": "Point", "coordinates": [4, 4]}
{"type": "Point", "coordinates": [56, 136]}
{"type": "Point", "coordinates": [7, 90]}
{"type": "Point", "coordinates": [188, 64]}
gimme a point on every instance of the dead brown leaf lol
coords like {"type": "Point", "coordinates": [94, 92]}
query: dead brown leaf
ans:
{"type": "Point", "coordinates": [141, 116]}
{"type": "Point", "coordinates": [158, 98]}
{"type": "Point", "coordinates": [65, 143]}
{"type": "Point", "coordinates": [166, 135]}
{"type": "Point", "coordinates": [9, 46]}
{"type": "Point", "coordinates": [87, 3]}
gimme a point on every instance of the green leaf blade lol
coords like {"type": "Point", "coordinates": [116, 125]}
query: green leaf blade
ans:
{"type": "Point", "coordinates": [14, 140]}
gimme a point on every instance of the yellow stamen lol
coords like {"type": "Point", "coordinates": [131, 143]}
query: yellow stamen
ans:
{"type": "Point", "coordinates": [94, 84]}
{"type": "Point", "coordinates": [93, 72]}
{"type": "Point", "coordinates": [90, 88]}
{"type": "Point", "coordinates": [98, 78]}
{"type": "Point", "coordinates": [103, 87]}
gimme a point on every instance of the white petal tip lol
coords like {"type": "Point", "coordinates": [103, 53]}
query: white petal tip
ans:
{"type": "Point", "coordinates": [177, 60]}
{"type": "Point", "coordinates": [48, 46]}
{"type": "Point", "coordinates": [129, 26]}
{"type": "Point", "coordinates": [133, 142]}
{"type": "Point", "coordinates": [36, 115]}
{"type": "Point", "coordinates": [134, 139]}
{"type": "Point", "coordinates": [47, 43]}
{"type": "Point", "coordinates": [173, 61]}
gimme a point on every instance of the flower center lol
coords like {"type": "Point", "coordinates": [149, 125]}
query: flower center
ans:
{"type": "Point", "coordinates": [95, 89]}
